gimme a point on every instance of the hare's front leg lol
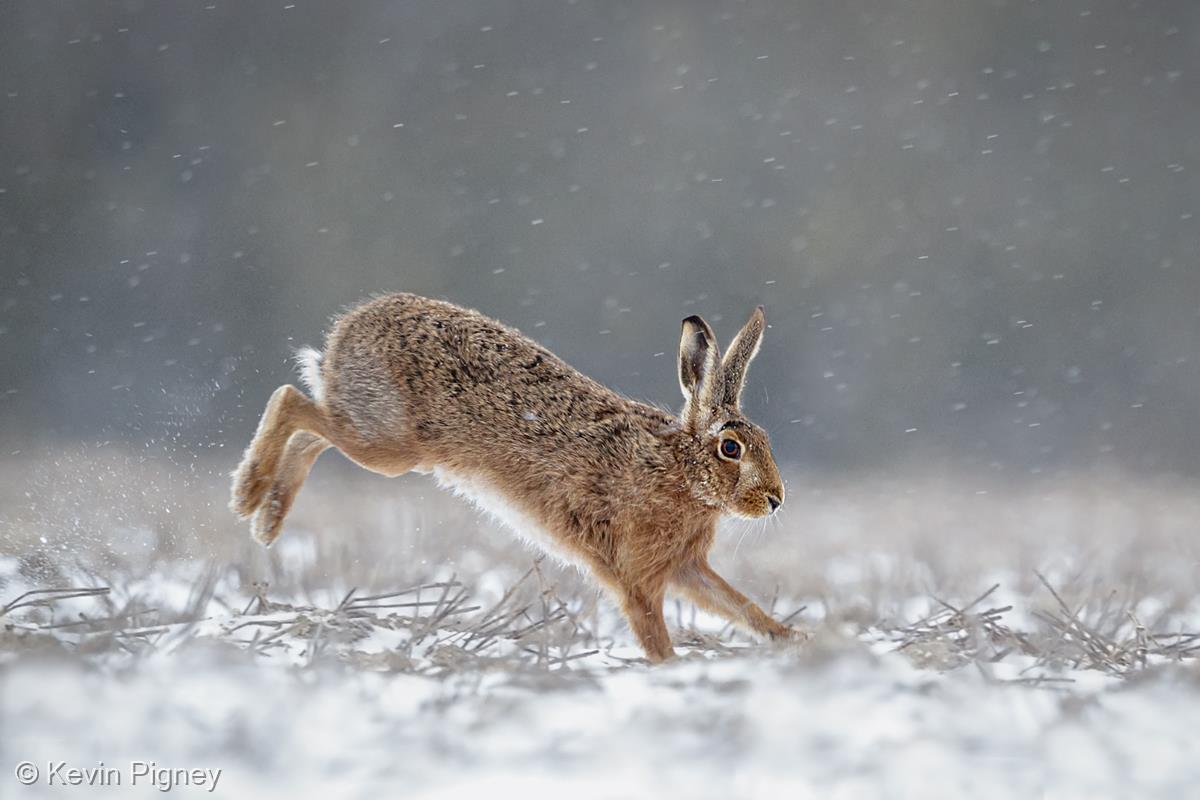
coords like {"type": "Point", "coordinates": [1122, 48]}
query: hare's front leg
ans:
{"type": "Point", "coordinates": [644, 610]}
{"type": "Point", "coordinates": [698, 582]}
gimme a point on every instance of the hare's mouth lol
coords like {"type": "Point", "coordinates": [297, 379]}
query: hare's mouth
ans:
{"type": "Point", "coordinates": [750, 513]}
{"type": "Point", "coordinates": [757, 506]}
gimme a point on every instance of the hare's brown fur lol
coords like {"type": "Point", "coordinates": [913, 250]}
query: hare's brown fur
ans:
{"type": "Point", "coordinates": [629, 490]}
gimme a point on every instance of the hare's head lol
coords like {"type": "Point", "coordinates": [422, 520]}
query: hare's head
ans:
{"type": "Point", "coordinates": [729, 460]}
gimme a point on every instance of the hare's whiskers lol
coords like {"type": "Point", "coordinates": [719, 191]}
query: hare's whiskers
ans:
{"type": "Point", "coordinates": [745, 526]}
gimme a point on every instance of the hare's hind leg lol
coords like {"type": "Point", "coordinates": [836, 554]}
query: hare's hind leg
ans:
{"type": "Point", "coordinates": [287, 411]}
{"type": "Point", "coordinates": [298, 457]}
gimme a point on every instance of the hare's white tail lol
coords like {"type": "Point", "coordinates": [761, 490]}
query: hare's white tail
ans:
{"type": "Point", "coordinates": [308, 361]}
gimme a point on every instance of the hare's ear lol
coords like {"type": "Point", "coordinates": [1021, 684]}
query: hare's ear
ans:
{"type": "Point", "coordinates": [699, 371]}
{"type": "Point", "coordinates": [742, 351]}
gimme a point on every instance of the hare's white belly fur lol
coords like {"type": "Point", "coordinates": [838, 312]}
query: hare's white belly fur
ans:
{"type": "Point", "coordinates": [488, 500]}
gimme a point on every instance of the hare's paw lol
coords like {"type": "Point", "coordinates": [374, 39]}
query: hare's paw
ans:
{"type": "Point", "coordinates": [796, 635]}
{"type": "Point", "coordinates": [268, 520]}
{"type": "Point", "coordinates": [779, 632]}
{"type": "Point", "coordinates": [250, 484]}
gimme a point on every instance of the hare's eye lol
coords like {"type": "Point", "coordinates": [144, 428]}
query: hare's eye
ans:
{"type": "Point", "coordinates": [730, 449]}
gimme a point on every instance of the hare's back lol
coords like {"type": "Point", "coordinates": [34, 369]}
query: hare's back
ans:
{"type": "Point", "coordinates": [456, 373]}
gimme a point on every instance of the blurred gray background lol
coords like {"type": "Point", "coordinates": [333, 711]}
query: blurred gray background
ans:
{"type": "Point", "coordinates": [973, 224]}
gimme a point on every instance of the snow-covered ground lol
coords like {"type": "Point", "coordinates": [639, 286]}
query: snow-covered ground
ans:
{"type": "Point", "coordinates": [1011, 645]}
{"type": "Point", "coordinates": [831, 723]}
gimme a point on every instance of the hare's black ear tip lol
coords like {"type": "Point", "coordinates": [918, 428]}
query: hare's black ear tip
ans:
{"type": "Point", "coordinates": [693, 321]}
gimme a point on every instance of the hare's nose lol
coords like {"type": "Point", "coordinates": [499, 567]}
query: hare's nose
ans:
{"type": "Point", "coordinates": [774, 501]}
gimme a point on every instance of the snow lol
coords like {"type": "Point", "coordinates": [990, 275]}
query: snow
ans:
{"type": "Point", "coordinates": [830, 721]}
{"type": "Point", "coordinates": [260, 664]}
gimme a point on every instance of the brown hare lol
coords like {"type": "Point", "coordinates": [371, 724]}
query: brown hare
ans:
{"type": "Point", "coordinates": [627, 489]}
